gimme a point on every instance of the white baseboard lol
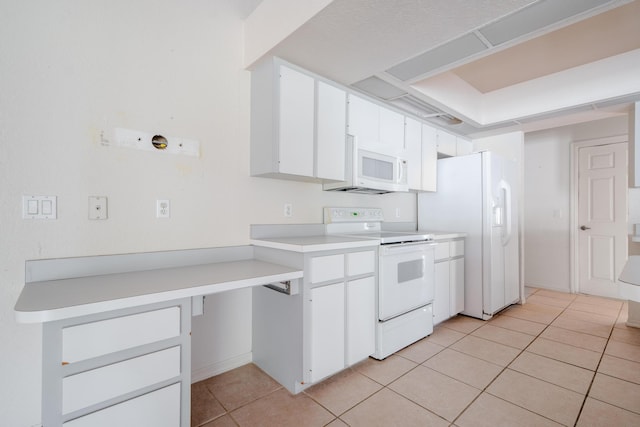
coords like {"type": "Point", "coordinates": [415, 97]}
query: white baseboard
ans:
{"type": "Point", "coordinates": [220, 367]}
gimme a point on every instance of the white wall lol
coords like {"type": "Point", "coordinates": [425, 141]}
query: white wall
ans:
{"type": "Point", "coordinates": [547, 202]}
{"type": "Point", "coordinates": [72, 69]}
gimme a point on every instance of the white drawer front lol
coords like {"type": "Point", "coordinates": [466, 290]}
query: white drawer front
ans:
{"type": "Point", "coordinates": [457, 248]}
{"type": "Point", "coordinates": [442, 251]}
{"type": "Point", "coordinates": [325, 268]}
{"type": "Point", "coordinates": [107, 336]}
{"type": "Point", "coordinates": [160, 408]}
{"type": "Point", "coordinates": [361, 263]}
{"type": "Point", "coordinates": [97, 385]}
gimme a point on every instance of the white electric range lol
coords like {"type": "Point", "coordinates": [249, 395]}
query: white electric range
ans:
{"type": "Point", "coordinates": [405, 286]}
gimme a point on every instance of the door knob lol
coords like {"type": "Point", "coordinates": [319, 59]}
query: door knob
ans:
{"type": "Point", "coordinates": [585, 228]}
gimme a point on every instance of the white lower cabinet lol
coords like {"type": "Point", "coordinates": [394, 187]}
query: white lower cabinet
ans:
{"type": "Point", "coordinates": [125, 367]}
{"type": "Point", "coordinates": [448, 299]}
{"type": "Point", "coordinates": [327, 330]}
{"type": "Point", "coordinates": [330, 325]}
{"type": "Point", "coordinates": [361, 311]}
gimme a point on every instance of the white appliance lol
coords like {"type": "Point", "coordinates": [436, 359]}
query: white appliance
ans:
{"type": "Point", "coordinates": [406, 279]}
{"type": "Point", "coordinates": [370, 173]}
{"type": "Point", "coordinates": [476, 195]}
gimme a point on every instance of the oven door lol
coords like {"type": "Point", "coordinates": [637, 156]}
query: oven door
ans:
{"type": "Point", "coordinates": [406, 278]}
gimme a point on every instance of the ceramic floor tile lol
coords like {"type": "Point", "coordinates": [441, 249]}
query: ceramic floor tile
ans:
{"type": "Point", "coordinates": [387, 408]}
{"type": "Point", "coordinates": [576, 339]}
{"type": "Point", "coordinates": [523, 313]}
{"type": "Point", "coordinates": [597, 414]}
{"type": "Point", "coordinates": [420, 351]}
{"type": "Point", "coordinates": [542, 308]}
{"type": "Point", "coordinates": [585, 316]}
{"type": "Point", "coordinates": [240, 386]}
{"type": "Point", "coordinates": [623, 316]}
{"type": "Point", "coordinates": [553, 371]}
{"type": "Point", "coordinates": [468, 369]}
{"type": "Point", "coordinates": [519, 325]}
{"type": "Point", "coordinates": [387, 370]}
{"type": "Point", "coordinates": [542, 300]}
{"type": "Point", "coordinates": [444, 336]}
{"type": "Point", "coordinates": [623, 350]}
{"type": "Point", "coordinates": [549, 400]}
{"type": "Point", "coordinates": [486, 350]}
{"type": "Point", "coordinates": [504, 336]}
{"type": "Point", "coordinates": [579, 325]}
{"type": "Point", "coordinates": [609, 312]}
{"type": "Point", "coordinates": [556, 294]}
{"type": "Point", "coordinates": [620, 368]}
{"type": "Point", "coordinates": [599, 301]}
{"type": "Point", "coordinates": [343, 391]}
{"type": "Point", "coordinates": [565, 353]}
{"type": "Point", "coordinates": [281, 408]}
{"type": "Point", "coordinates": [617, 392]}
{"type": "Point", "coordinates": [490, 411]}
{"type": "Point", "coordinates": [204, 407]}
{"type": "Point", "coordinates": [628, 335]}
{"type": "Point", "coordinates": [436, 392]}
{"type": "Point", "coordinates": [464, 324]}
{"type": "Point", "coordinates": [224, 421]}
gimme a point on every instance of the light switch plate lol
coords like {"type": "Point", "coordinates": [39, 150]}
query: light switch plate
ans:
{"type": "Point", "coordinates": [39, 207]}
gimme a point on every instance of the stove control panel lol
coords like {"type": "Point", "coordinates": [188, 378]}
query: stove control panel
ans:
{"type": "Point", "coordinates": [333, 215]}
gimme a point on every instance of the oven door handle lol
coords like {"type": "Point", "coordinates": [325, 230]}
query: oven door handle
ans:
{"type": "Point", "coordinates": [406, 247]}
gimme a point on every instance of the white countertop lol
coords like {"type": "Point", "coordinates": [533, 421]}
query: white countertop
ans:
{"type": "Point", "coordinates": [629, 286]}
{"type": "Point", "coordinates": [325, 242]}
{"type": "Point", "coordinates": [60, 299]}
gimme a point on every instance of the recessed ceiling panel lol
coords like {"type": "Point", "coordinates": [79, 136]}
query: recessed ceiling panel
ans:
{"type": "Point", "coordinates": [433, 59]}
{"type": "Point", "coordinates": [535, 17]}
{"type": "Point", "coordinates": [379, 88]}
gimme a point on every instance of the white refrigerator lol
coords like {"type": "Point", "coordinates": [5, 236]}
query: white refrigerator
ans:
{"type": "Point", "coordinates": [477, 194]}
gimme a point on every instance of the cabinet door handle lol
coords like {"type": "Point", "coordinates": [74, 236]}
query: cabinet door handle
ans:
{"type": "Point", "coordinates": [584, 227]}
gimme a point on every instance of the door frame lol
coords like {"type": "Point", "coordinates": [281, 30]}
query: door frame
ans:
{"type": "Point", "coordinates": [573, 223]}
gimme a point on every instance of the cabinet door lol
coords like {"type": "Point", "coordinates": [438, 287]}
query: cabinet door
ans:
{"type": "Point", "coordinates": [361, 318]}
{"type": "Point", "coordinates": [429, 158]}
{"type": "Point", "coordinates": [296, 122]}
{"type": "Point", "coordinates": [327, 331]}
{"type": "Point", "coordinates": [331, 128]}
{"type": "Point", "coordinates": [391, 132]}
{"type": "Point", "coordinates": [447, 143]}
{"type": "Point", "coordinates": [413, 152]}
{"type": "Point", "coordinates": [463, 146]}
{"type": "Point", "coordinates": [441, 296]}
{"type": "Point", "coordinates": [456, 296]}
{"type": "Point", "coordinates": [364, 121]}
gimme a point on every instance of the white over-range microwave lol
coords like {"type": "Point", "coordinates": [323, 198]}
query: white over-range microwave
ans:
{"type": "Point", "coordinates": [370, 173]}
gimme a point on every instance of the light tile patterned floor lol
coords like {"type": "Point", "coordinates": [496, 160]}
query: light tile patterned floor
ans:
{"type": "Point", "coordinates": [558, 360]}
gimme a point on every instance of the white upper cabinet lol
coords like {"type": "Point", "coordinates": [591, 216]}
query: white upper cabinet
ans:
{"type": "Point", "coordinates": [364, 121]}
{"type": "Point", "coordinates": [298, 124]}
{"type": "Point", "coordinates": [331, 116]}
{"type": "Point", "coordinates": [463, 146]}
{"type": "Point", "coordinates": [422, 156]}
{"type": "Point", "coordinates": [376, 128]}
{"type": "Point", "coordinates": [447, 143]}
{"type": "Point", "coordinates": [392, 131]}
{"type": "Point", "coordinates": [413, 153]}
{"type": "Point", "coordinates": [295, 124]}
{"type": "Point", "coordinates": [429, 158]}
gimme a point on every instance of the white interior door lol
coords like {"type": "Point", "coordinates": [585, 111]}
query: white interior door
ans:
{"type": "Point", "coordinates": [602, 218]}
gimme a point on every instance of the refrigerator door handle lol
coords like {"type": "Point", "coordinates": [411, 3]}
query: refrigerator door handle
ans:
{"type": "Point", "coordinates": [506, 189]}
